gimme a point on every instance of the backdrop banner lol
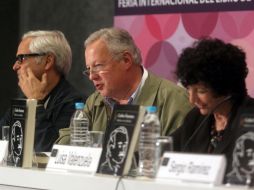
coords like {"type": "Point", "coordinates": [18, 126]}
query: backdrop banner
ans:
{"type": "Point", "coordinates": [162, 28]}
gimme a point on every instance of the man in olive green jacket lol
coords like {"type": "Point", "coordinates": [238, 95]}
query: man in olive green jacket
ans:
{"type": "Point", "coordinates": [113, 64]}
{"type": "Point", "coordinates": [171, 101]}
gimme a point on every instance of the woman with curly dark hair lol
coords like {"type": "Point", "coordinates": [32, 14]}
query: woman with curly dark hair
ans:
{"type": "Point", "coordinates": [214, 74]}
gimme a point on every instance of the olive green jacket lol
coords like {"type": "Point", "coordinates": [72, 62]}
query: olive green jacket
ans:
{"type": "Point", "coordinates": [170, 99]}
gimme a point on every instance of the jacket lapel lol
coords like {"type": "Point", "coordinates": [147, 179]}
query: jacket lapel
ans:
{"type": "Point", "coordinates": [150, 87]}
{"type": "Point", "coordinates": [231, 132]}
{"type": "Point", "coordinates": [228, 137]}
{"type": "Point", "coordinates": [201, 140]}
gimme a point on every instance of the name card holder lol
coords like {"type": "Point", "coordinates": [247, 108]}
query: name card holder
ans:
{"type": "Point", "coordinates": [3, 151]}
{"type": "Point", "coordinates": [198, 168]}
{"type": "Point", "coordinates": [74, 158]}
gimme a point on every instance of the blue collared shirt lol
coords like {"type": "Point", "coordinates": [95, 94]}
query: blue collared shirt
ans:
{"type": "Point", "coordinates": [133, 98]}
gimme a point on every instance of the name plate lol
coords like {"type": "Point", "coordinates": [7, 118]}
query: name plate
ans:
{"type": "Point", "coordinates": [193, 167]}
{"type": "Point", "coordinates": [3, 151]}
{"type": "Point", "coordinates": [74, 158]}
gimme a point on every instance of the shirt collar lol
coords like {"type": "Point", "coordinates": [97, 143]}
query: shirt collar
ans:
{"type": "Point", "coordinates": [141, 84]}
{"type": "Point", "coordinates": [133, 97]}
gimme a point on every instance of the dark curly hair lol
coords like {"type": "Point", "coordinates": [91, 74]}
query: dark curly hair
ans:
{"type": "Point", "coordinates": [218, 65]}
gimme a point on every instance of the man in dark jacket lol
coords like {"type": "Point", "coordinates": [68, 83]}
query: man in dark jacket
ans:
{"type": "Point", "coordinates": [43, 60]}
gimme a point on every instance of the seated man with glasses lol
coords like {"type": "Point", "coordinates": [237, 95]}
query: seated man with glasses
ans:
{"type": "Point", "coordinates": [114, 65]}
{"type": "Point", "coordinates": [43, 60]}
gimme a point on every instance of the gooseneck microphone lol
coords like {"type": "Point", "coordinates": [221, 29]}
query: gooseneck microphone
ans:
{"type": "Point", "coordinates": [204, 120]}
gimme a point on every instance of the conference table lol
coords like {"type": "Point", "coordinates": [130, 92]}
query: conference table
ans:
{"type": "Point", "coordinates": [20, 179]}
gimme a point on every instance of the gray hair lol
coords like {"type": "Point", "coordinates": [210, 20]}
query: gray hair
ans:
{"type": "Point", "coordinates": [52, 42]}
{"type": "Point", "coordinates": [117, 41]}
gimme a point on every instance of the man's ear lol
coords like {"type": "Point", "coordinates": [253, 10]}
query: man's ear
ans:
{"type": "Point", "coordinates": [50, 61]}
{"type": "Point", "coordinates": [127, 59]}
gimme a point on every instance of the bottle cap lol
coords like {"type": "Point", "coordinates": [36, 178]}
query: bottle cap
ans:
{"type": "Point", "coordinates": [151, 109]}
{"type": "Point", "coordinates": [79, 105]}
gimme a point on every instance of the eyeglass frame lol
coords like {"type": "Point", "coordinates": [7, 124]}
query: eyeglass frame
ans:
{"type": "Point", "coordinates": [88, 71]}
{"type": "Point", "coordinates": [21, 57]}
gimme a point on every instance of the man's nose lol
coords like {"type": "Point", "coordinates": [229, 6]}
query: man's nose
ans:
{"type": "Point", "coordinates": [93, 76]}
{"type": "Point", "coordinates": [16, 66]}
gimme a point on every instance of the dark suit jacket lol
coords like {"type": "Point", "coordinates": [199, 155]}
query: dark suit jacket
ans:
{"type": "Point", "coordinates": [57, 115]}
{"type": "Point", "coordinates": [186, 141]}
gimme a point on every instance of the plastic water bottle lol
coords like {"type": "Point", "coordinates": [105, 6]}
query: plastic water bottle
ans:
{"type": "Point", "coordinates": [149, 153]}
{"type": "Point", "coordinates": [79, 126]}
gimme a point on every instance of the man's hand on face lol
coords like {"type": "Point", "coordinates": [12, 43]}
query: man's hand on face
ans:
{"type": "Point", "coordinates": [31, 86]}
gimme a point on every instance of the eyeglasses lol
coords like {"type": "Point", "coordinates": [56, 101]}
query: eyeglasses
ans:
{"type": "Point", "coordinates": [99, 67]}
{"type": "Point", "coordinates": [94, 70]}
{"type": "Point", "coordinates": [21, 57]}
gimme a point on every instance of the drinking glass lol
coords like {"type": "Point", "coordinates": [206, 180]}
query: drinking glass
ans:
{"type": "Point", "coordinates": [5, 133]}
{"type": "Point", "coordinates": [165, 144]}
{"type": "Point", "coordinates": [96, 138]}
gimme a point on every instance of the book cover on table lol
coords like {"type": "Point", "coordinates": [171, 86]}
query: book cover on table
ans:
{"type": "Point", "coordinates": [120, 140]}
{"type": "Point", "coordinates": [23, 114]}
{"type": "Point", "coordinates": [242, 166]}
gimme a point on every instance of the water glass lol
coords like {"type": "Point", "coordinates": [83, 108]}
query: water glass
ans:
{"type": "Point", "coordinates": [96, 138]}
{"type": "Point", "coordinates": [165, 144]}
{"type": "Point", "coordinates": [5, 133]}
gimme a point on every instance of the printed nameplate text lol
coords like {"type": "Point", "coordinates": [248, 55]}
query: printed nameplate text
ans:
{"type": "Point", "coordinates": [193, 167]}
{"type": "Point", "coordinates": [74, 158]}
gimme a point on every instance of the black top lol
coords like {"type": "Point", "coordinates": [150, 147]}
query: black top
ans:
{"type": "Point", "coordinates": [185, 141]}
{"type": "Point", "coordinates": [59, 109]}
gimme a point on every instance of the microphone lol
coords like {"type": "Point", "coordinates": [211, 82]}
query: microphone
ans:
{"type": "Point", "coordinates": [204, 120]}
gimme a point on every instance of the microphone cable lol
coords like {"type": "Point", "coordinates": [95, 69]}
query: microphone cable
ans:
{"type": "Point", "coordinates": [203, 121]}
{"type": "Point", "coordinates": [118, 182]}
